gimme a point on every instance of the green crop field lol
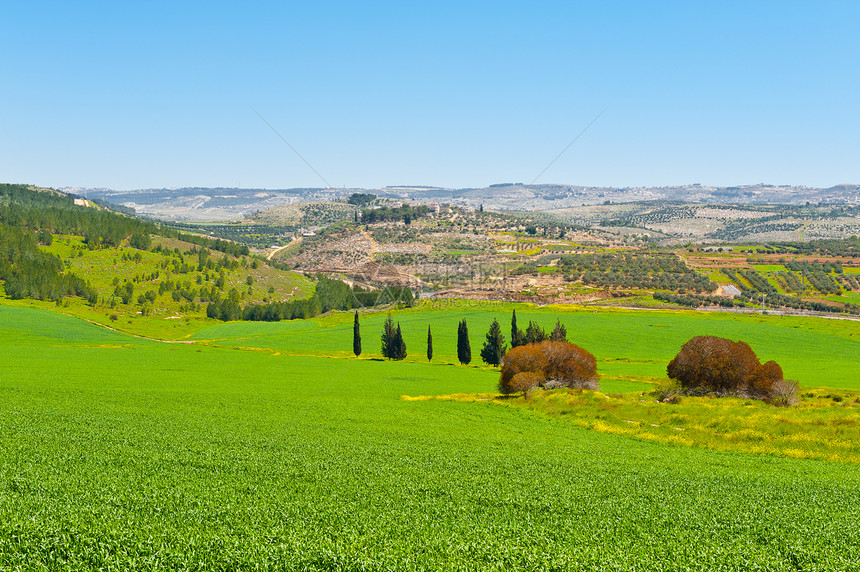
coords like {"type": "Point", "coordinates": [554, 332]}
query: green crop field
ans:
{"type": "Point", "coordinates": [717, 276]}
{"type": "Point", "coordinates": [768, 267]}
{"type": "Point", "coordinates": [815, 352]}
{"type": "Point", "coordinates": [265, 446]}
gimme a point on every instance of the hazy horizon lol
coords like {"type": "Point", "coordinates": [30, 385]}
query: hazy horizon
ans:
{"type": "Point", "coordinates": [417, 186]}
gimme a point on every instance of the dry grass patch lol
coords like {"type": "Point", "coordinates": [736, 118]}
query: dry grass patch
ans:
{"type": "Point", "coordinates": [823, 425]}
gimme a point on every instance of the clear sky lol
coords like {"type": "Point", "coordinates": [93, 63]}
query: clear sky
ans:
{"type": "Point", "coordinates": [163, 94]}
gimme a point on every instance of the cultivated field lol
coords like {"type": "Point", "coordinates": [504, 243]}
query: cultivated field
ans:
{"type": "Point", "coordinates": [266, 446]}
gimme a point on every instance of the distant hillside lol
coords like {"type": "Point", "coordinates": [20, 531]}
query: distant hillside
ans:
{"type": "Point", "coordinates": [845, 189]}
{"type": "Point", "coordinates": [109, 266]}
{"type": "Point", "coordinates": [222, 204]}
{"type": "Point", "coordinates": [674, 222]}
{"type": "Point", "coordinates": [206, 204]}
{"type": "Point", "coordinates": [306, 214]}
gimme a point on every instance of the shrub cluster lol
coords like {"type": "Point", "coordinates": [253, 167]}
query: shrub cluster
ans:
{"type": "Point", "coordinates": [405, 213]}
{"type": "Point", "coordinates": [711, 364]}
{"type": "Point", "coordinates": [548, 364]}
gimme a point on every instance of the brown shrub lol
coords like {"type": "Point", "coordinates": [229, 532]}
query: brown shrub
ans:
{"type": "Point", "coordinates": [547, 364]}
{"type": "Point", "coordinates": [569, 365]}
{"type": "Point", "coordinates": [525, 381]}
{"type": "Point", "coordinates": [526, 358]}
{"type": "Point", "coordinates": [763, 382]}
{"type": "Point", "coordinates": [708, 363]}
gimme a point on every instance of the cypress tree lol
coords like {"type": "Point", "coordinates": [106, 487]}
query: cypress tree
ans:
{"type": "Point", "coordinates": [517, 336]}
{"type": "Point", "coordinates": [559, 334]}
{"type": "Point", "coordinates": [399, 346]}
{"type": "Point", "coordinates": [429, 344]}
{"type": "Point", "coordinates": [494, 347]}
{"type": "Point", "coordinates": [388, 332]}
{"type": "Point", "coordinates": [356, 337]}
{"type": "Point", "coordinates": [464, 350]}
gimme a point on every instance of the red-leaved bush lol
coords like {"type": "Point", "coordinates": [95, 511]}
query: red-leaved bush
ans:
{"type": "Point", "coordinates": [724, 367]}
{"type": "Point", "coordinates": [547, 364]}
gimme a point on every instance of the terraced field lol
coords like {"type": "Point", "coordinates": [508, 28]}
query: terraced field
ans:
{"type": "Point", "coordinates": [257, 450]}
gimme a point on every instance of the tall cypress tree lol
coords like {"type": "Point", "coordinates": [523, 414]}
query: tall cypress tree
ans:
{"type": "Point", "coordinates": [399, 346]}
{"type": "Point", "coordinates": [429, 344]}
{"type": "Point", "coordinates": [494, 347]}
{"type": "Point", "coordinates": [356, 337]}
{"type": "Point", "coordinates": [464, 350]}
{"type": "Point", "coordinates": [388, 332]}
{"type": "Point", "coordinates": [518, 338]}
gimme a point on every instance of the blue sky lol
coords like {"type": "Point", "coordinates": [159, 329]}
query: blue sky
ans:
{"type": "Point", "coordinates": [454, 94]}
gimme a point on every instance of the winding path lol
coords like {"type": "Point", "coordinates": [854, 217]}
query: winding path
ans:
{"type": "Point", "coordinates": [277, 250]}
{"type": "Point", "coordinates": [139, 336]}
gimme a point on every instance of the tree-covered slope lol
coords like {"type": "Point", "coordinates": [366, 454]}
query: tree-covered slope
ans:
{"type": "Point", "coordinates": [54, 248]}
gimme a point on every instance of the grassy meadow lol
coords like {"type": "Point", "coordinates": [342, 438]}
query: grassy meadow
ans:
{"type": "Point", "coordinates": [822, 425]}
{"type": "Point", "coordinates": [267, 446]}
{"type": "Point", "coordinates": [626, 342]}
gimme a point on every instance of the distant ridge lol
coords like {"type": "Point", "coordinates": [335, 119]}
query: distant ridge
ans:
{"type": "Point", "coordinates": [845, 188]}
{"type": "Point", "coordinates": [230, 203]}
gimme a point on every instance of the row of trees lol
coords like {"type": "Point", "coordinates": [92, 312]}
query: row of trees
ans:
{"type": "Point", "coordinates": [634, 270]}
{"type": "Point", "coordinates": [492, 352]}
{"type": "Point", "coordinates": [697, 300]}
{"type": "Point", "coordinates": [846, 247]}
{"type": "Point", "coordinates": [404, 213]}
{"type": "Point", "coordinates": [775, 299]}
{"type": "Point", "coordinates": [750, 298]}
{"type": "Point", "coordinates": [394, 347]}
{"type": "Point", "coordinates": [535, 333]}
{"type": "Point", "coordinates": [705, 364]}
{"type": "Point", "coordinates": [329, 295]}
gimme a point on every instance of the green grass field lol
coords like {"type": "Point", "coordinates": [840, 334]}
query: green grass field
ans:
{"type": "Point", "coordinates": [718, 277]}
{"type": "Point", "coordinates": [821, 425]}
{"type": "Point", "coordinates": [815, 352]}
{"type": "Point", "coordinates": [264, 446]}
{"type": "Point", "coordinates": [846, 296]}
{"type": "Point", "coordinates": [768, 268]}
